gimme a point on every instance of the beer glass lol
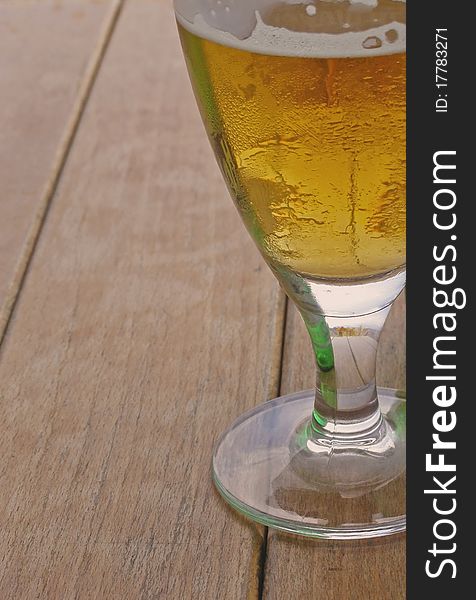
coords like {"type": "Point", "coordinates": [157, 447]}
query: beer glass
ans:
{"type": "Point", "coordinates": [304, 106]}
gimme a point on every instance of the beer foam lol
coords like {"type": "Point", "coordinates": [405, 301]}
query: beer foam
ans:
{"type": "Point", "coordinates": [244, 24]}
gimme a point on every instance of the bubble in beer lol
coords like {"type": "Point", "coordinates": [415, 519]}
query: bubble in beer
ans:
{"type": "Point", "coordinates": [306, 114]}
{"type": "Point", "coordinates": [372, 42]}
{"type": "Point", "coordinates": [391, 35]}
{"type": "Point", "coordinates": [317, 28]}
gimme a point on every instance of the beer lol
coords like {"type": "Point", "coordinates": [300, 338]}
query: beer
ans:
{"type": "Point", "coordinates": [308, 127]}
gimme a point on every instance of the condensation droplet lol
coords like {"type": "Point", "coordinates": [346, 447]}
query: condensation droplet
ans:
{"type": "Point", "coordinates": [372, 42]}
{"type": "Point", "coordinates": [311, 10]}
{"type": "Point", "coordinates": [391, 35]}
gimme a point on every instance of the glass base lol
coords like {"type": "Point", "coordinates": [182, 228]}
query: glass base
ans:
{"type": "Point", "coordinates": [274, 468]}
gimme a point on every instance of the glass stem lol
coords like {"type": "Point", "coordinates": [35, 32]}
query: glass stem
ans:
{"type": "Point", "coordinates": [345, 349]}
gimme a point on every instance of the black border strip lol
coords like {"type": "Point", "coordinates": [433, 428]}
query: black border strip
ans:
{"type": "Point", "coordinates": [439, 132]}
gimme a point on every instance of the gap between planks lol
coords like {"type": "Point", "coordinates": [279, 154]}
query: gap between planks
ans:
{"type": "Point", "coordinates": [34, 232]}
{"type": "Point", "coordinates": [67, 144]}
{"type": "Point", "coordinates": [273, 392]}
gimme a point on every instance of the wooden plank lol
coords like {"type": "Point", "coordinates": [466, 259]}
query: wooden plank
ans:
{"type": "Point", "coordinates": [146, 323]}
{"type": "Point", "coordinates": [49, 52]}
{"type": "Point", "coordinates": [298, 569]}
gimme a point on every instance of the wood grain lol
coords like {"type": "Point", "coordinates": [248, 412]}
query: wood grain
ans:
{"type": "Point", "coordinates": [298, 569]}
{"type": "Point", "coordinates": [49, 52]}
{"type": "Point", "coordinates": [146, 323]}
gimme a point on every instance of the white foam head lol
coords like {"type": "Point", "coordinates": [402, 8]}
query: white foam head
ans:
{"type": "Point", "coordinates": [327, 28]}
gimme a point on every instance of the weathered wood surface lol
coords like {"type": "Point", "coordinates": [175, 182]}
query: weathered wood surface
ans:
{"type": "Point", "coordinates": [145, 323]}
{"type": "Point", "coordinates": [48, 54]}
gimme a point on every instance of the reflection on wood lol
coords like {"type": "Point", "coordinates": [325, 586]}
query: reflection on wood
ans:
{"type": "Point", "coordinates": [366, 508]}
{"type": "Point", "coordinates": [298, 569]}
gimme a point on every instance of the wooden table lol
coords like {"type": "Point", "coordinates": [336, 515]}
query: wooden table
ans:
{"type": "Point", "coordinates": [137, 321]}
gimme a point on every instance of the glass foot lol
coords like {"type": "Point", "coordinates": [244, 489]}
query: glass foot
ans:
{"type": "Point", "coordinates": [273, 467]}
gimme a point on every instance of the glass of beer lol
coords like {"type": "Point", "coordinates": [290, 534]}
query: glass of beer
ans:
{"type": "Point", "coordinates": [304, 105]}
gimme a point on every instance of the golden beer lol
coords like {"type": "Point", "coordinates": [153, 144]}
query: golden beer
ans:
{"type": "Point", "coordinates": [312, 148]}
